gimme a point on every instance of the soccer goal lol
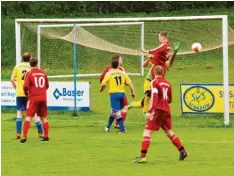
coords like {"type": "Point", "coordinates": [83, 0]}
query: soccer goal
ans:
{"type": "Point", "coordinates": [83, 47]}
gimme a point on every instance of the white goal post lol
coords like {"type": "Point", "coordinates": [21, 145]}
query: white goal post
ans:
{"type": "Point", "coordinates": [224, 19]}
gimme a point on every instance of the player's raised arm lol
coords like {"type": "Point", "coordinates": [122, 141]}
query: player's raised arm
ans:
{"type": "Point", "coordinates": [175, 48]}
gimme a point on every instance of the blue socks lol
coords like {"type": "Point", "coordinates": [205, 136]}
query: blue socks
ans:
{"type": "Point", "coordinates": [18, 125]}
{"type": "Point", "coordinates": [39, 127]}
{"type": "Point", "coordinates": [121, 123]}
{"type": "Point", "coordinates": [111, 119]}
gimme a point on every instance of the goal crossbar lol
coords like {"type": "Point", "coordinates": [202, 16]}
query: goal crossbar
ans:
{"type": "Point", "coordinates": [74, 20]}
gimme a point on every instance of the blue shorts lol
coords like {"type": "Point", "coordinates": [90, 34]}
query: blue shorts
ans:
{"type": "Point", "coordinates": [117, 101]}
{"type": "Point", "coordinates": [21, 103]}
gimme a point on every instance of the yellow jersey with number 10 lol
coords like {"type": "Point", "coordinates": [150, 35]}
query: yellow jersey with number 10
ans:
{"type": "Point", "coordinates": [18, 74]}
{"type": "Point", "coordinates": [117, 80]}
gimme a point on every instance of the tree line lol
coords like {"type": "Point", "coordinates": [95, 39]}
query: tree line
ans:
{"type": "Point", "coordinates": [47, 8]}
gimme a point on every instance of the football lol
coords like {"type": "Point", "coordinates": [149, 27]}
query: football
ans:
{"type": "Point", "coordinates": [196, 47]}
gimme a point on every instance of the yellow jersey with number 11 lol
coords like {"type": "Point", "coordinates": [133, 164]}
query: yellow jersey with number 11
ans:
{"type": "Point", "coordinates": [18, 74]}
{"type": "Point", "coordinates": [117, 80]}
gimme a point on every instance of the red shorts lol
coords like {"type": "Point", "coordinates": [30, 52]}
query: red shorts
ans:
{"type": "Point", "coordinates": [125, 100]}
{"type": "Point", "coordinates": [37, 106]}
{"type": "Point", "coordinates": [159, 118]}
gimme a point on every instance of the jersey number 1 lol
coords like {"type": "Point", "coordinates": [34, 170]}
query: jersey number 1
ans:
{"type": "Point", "coordinates": [118, 80]}
{"type": "Point", "coordinates": [39, 82]}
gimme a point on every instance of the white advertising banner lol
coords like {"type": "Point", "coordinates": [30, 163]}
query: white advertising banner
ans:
{"type": "Point", "coordinates": [60, 96]}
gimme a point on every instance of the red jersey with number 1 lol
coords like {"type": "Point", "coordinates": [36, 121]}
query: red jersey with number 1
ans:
{"type": "Point", "coordinates": [161, 95]}
{"type": "Point", "coordinates": [36, 83]}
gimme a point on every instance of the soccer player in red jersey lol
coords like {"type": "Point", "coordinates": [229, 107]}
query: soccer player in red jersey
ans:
{"type": "Point", "coordinates": [159, 115]}
{"type": "Point", "coordinates": [35, 86]}
{"type": "Point", "coordinates": [124, 111]}
{"type": "Point", "coordinates": [161, 54]}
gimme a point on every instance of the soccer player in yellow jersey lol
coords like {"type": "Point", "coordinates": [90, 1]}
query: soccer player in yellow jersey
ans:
{"type": "Point", "coordinates": [116, 80]}
{"type": "Point", "coordinates": [17, 80]}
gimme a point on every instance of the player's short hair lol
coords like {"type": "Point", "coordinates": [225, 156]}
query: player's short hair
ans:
{"type": "Point", "coordinates": [116, 57]}
{"type": "Point", "coordinates": [115, 64]}
{"type": "Point", "coordinates": [163, 33]}
{"type": "Point", "coordinates": [26, 57]}
{"type": "Point", "coordinates": [159, 70]}
{"type": "Point", "coordinates": [33, 62]}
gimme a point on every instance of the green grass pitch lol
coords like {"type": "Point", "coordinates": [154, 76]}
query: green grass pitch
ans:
{"type": "Point", "coordinates": [79, 146]}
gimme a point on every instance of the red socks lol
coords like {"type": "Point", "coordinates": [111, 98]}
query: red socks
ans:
{"type": "Point", "coordinates": [26, 128]}
{"type": "Point", "coordinates": [124, 115]}
{"type": "Point", "coordinates": [177, 143]}
{"type": "Point", "coordinates": [145, 143]}
{"type": "Point", "coordinates": [46, 129]}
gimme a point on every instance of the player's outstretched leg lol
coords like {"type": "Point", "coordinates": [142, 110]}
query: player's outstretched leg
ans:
{"type": "Point", "coordinates": [177, 143]}
{"type": "Point", "coordinates": [110, 121]}
{"type": "Point", "coordinates": [18, 124]}
{"type": "Point", "coordinates": [46, 129]}
{"type": "Point", "coordinates": [25, 129]}
{"type": "Point", "coordinates": [135, 104]}
{"type": "Point", "coordinates": [145, 144]}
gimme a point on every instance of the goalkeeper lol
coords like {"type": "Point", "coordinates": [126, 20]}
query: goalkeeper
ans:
{"type": "Point", "coordinates": [144, 103]}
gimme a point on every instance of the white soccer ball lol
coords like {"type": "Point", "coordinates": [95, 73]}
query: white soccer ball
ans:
{"type": "Point", "coordinates": [196, 47]}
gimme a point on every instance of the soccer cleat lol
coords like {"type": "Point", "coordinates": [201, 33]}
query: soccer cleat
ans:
{"type": "Point", "coordinates": [107, 129]}
{"type": "Point", "coordinates": [120, 132]}
{"type": "Point", "coordinates": [45, 139]}
{"type": "Point", "coordinates": [17, 136]}
{"type": "Point", "coordinates": [140, 159]}
{"type": "Point", "coordinates": [41, 136]}
{"type": "Point", "coordinates": [23, 140]}
{"type": "Point", "coordinates": [183, 155]}
{"type": "Point", "coordinates": [117, 126]}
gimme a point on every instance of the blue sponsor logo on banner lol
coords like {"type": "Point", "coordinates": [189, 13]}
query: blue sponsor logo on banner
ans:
{"type": "Point", "coordinates": [65, 92]}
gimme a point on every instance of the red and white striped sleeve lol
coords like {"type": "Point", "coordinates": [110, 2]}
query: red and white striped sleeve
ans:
{"type": "Point", "coordinates": [154, 96]}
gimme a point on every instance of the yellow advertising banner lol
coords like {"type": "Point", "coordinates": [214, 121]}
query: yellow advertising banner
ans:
{"type": "Point", "coordinates": [205, 98]}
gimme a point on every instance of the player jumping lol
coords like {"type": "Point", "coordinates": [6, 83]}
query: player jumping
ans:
{"type": "Point", "coordinates": [124, 111]}
{"type": "Point", "coordinates": [159, 116]}
{"type": "Point", "coordinates": [35, 87]}
{"type": "Point", "coordinates": [117, 80]}
{"type": "Point", "coordinates": [17, 80]}
{"type": "Point", "coordinates": [163, 56]}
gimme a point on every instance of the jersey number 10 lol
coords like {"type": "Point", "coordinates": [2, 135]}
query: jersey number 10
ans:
{"type": "Point", "coordinates": [39, 81]}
